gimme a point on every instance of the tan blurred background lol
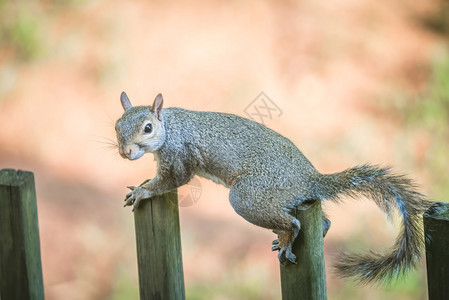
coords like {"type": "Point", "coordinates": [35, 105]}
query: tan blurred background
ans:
{"type": "Point", "coordinates": [357, 81]}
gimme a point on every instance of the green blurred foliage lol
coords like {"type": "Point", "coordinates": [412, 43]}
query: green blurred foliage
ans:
{"type": "Point", "coordinates": [23, 26]}
{"type": "Point", "coordinates": [25, 34]}
{"type": "Point", "coordinates": [68, 3]}
{"type": "Point", "coordinates": [21, 30]}
{"type": "Point", "coordinates": [433, 110]}
{"type": "Point", "coordinates": [244, 284]}
{"type": "Point", "coordinates": [431, 113]}
{"type": "Point", "coordinates": [124, 286]}
{"type": "Point", "coordinates": [405, 288]}
{"type": "Point", "coordinates": [231, 287]}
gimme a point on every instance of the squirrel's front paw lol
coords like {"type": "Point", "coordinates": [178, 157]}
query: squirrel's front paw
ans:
{"type": "Point", "coordinates": [135, 196]}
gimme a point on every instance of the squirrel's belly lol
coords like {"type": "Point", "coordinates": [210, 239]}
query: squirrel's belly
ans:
{"type": "Point", "coordinates": [209, 176]}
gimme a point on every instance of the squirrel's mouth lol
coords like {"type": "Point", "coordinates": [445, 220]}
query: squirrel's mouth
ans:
{"type": "Point", "coordinates": [131, 152]}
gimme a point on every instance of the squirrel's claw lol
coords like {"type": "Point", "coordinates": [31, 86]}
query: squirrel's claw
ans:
{"type": "Point", "coordinates": [291, 257]}
{"type": "Point", "coordinates": [276, 245]}
{"type": "Point", "coordinates": [275, 248]}
{"type": "Point", "coordinates": [136, 204]}
{"type": "Point", "coordinates": [130, 197]}
{"type": "Point", "coordinates": [282, 259]}
{"type": "Point", "coordinates": [129, 200]}
{"type": "Point", "coordinates": [285, 254]}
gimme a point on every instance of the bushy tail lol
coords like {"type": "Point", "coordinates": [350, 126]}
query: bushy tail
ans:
{"type": "Point", "coordinates": [389, 192]}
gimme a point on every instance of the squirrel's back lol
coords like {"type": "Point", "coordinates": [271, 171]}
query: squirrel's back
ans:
{"type": "Point", "coordinates": [228, 145]}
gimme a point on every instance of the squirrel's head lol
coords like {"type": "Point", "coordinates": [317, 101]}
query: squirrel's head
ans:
{"type": "Point", "coordinates": [141, 128]}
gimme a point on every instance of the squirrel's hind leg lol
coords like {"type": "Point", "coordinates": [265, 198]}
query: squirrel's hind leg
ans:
{"type": "Point", "coordinates": [260, 207]}
{"type": "Point", "coordinates": [285, 241]}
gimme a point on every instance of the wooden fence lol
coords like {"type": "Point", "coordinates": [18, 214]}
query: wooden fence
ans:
{"type": "Point", "coordinates": [159, 247]}
{"type": "Point", "coordinates": [20, 254]}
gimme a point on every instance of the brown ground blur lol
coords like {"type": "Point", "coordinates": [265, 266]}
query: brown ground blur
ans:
{"type": "Point", "coordinates": [332, 68]}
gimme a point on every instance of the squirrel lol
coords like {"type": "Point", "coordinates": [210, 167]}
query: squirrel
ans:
{"type": "Point", "coordinates": [268, 176]}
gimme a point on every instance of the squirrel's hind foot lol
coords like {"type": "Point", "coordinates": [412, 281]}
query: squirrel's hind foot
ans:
{"type": "Point", "coordinates": [284, 245]}
{"type": "Point", "coordinates": [285, 253]}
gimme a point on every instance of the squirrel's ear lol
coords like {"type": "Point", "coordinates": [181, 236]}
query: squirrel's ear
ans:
{"type": "Point", "coordinates": [157, 106]}
{"type": "Point", "coordinates": [125, 101]}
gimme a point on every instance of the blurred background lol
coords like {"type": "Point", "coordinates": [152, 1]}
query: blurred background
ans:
{"type": "Point", "coordinates": [356, 82]}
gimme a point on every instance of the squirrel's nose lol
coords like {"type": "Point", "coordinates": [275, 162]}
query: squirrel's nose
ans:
{"type": "Point", "coordinates": [126, 152]}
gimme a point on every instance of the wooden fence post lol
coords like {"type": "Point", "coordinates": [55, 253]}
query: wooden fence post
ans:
{"type": "Point", "coordinates": [436, 232]}
{"type": "Point", "coordinates": [307, 278]}
{"type": "Point", "coordinates": [20, 257]}
{"type": "Point", "coordinates": [159, 254]}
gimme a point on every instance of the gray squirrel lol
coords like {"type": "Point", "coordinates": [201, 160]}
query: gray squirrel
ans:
{"type": "Point", "coordinates": [268, 177]}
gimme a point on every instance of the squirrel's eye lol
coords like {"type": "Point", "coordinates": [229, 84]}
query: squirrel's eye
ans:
{"type": "Point", "coordinates": [148, 128]}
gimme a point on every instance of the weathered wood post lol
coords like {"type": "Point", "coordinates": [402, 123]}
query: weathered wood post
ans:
{"type": "Point", "coordinates": [20, 256]}
{"type": "Point", "coordinates": [436, 233]}
{"type": "Point", "coordinates": [159, 254]}
{"type": "Point", "coordinates": [307, 278]}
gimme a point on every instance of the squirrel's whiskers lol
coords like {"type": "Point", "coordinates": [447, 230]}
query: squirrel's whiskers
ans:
{"type": "Point", "coordinates": [107, 143]}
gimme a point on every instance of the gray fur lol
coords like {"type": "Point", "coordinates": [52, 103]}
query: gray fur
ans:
{"type": "Point", "coordinates": [267, 176]}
